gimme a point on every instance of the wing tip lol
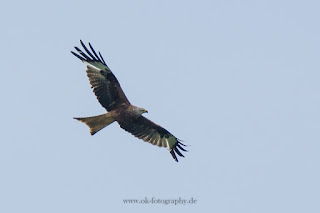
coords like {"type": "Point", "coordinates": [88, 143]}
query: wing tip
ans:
{"type": "Point", "coordinates": [86, 53]}
{"type": "Point", "coordinates": [78, 56]}
{"type": "Point", "coordinates": [174, 150]}
{"type": "Point", "coordinates": [173, 155]}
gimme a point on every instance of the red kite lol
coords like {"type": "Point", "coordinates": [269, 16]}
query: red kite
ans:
{"type": "Point", "coordinates": [110, 95]}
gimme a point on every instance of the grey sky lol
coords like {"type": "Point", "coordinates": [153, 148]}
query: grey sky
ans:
{"type": "Point", "coordinates": [238, 81]}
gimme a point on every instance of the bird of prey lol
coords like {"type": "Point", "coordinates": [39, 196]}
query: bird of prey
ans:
{"type": "Point", "coordinates": [110, 95]}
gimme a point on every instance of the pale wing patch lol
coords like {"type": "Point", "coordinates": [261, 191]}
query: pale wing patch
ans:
{"type": "Point", "coordinates": [155, 138]}
{"type": "Point", "coordinates": [159, 143]}
{"type": "Point", "coordinates": [165, 142]}
{"type": "Point", "coordinates": [97, 65]}
{"type": "Point", "coordinates": [171, 142]}
{"type": "Point", "coordinates": [148, 136]}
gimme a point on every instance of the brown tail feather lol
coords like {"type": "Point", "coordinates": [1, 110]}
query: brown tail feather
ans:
{"type": "Point", "coordinates": [98, 122]}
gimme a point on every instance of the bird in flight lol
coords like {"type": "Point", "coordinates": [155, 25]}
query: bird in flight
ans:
{"type": "Point", "coordinates": [110, 95]}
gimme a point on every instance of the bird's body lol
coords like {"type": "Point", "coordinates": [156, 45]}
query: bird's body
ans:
{"type": "Point", "coordinates": [110, 95]}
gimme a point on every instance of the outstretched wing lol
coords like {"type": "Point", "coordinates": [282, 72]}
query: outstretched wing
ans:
{"type": "Point", "coordinates": [150, 132]}
{"type": "Point", "coordinates": [105, 85]}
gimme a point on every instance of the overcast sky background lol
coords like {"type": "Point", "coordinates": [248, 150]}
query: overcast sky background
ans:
{"type": "Point", "coordinates": [238, 81]}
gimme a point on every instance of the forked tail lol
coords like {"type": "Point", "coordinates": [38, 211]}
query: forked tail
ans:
{"type": "Point", "coordinates": [98, 122]}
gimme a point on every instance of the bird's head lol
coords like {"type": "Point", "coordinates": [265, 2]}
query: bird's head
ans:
{"type": "Point", "coordinates": [139, 111]}
{"type": "Point", "coordinates": [142, 110]}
